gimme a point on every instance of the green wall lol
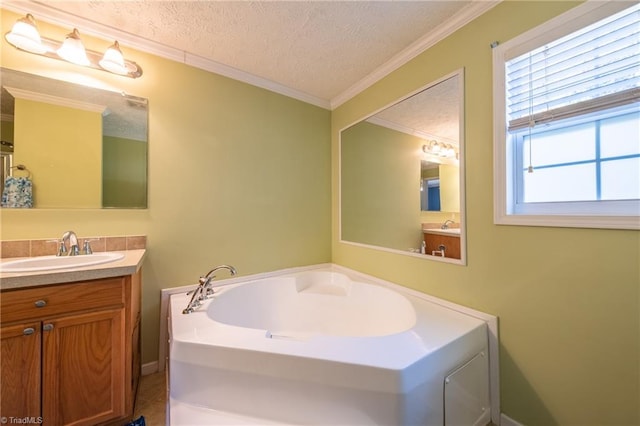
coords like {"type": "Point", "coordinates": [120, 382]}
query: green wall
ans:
{"type": "Point", "coordinates": [449, 188]}
{"type": "Point", "coordinates": [381, 187]}
{"type": "Point", "coordinates": [6, 133]}
{"type": "Point", "coordinates": [567, 299]}
{"type": "Point", "coordinates": [124, 180]}
{"type": "Point", "coordinates": [62, 151]}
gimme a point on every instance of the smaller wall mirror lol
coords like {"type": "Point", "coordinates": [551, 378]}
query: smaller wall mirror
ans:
{"type": "Point", "coordinates": [440, 186]}
{"type": "Point", "coordinates": [402, 175]}
{"type": "Point", "coordinates": [82, 147]}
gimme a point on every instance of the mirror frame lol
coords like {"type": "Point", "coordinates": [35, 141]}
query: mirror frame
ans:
{"type": "Point", "coordinates": [462, 166]}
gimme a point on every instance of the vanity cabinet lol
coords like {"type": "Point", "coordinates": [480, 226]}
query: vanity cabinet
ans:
{"type": "Point", "coordinates": [435, 241]}
{"type": "Point", "coordinates": [70, 352]}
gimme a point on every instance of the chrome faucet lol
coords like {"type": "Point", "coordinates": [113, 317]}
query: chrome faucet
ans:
{"type": "Point", "coordinates": [445, 225]}
{"type": "Point", "coordinates": [74, 250]}
{"type": "Point", "coordinates": [205, 289]}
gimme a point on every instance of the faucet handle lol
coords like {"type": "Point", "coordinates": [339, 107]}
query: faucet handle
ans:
{"type": "Point", "coordinates": [62, 249]}
{"type": "Point", "coordinates": [205, 284]}
{"type": "Point", "coordinates": [74, 250]}
{"type": "Point", "coordinates": [86, 247]}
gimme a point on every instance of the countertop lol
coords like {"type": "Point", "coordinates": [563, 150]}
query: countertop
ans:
{"type": "Point", "coordinates": [129, 265]}
{"type": "Point", "coordinates": [452, 232]}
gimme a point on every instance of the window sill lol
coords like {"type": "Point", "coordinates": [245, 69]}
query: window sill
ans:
{"type": "Point", "coordinates": [566, 221]}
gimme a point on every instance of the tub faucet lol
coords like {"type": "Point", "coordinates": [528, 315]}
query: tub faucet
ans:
{"type": "Point", "coordinates": [207, 285]}
{"type": "Point", "coordinates": [205, 289]}
{"type": "Point", "coordinates": [74, 250]}
{"type": "Point", "coordinates": [446, 223]}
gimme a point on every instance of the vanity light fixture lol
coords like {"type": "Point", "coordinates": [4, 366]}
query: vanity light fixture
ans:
{"type": "Point", "coordinates": [440, 149]}
{"type": "Point", "coordinates": [25, 36]}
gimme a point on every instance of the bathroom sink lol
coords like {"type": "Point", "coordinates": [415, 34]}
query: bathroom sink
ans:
{"type": "Point", "coordinates": [46, 263]}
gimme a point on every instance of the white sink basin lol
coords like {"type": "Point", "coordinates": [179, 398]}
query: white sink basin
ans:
{"type": "Point", "coordinates": [46, 263]}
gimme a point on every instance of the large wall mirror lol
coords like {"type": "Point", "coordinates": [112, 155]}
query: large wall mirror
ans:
{"type": "Point", "coordinates": [402, 175]}
{"type": "Point", "coordinates": [81, 147]}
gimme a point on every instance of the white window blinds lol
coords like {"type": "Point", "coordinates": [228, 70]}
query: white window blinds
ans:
{"type": "Point", "coordinates": [595, 68]}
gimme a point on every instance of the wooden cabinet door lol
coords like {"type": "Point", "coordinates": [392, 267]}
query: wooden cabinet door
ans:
{"type": "Point", "coordinates": [451, 245]}
{"type": "Point", "coordinates": [83, 368]}
{"type": "Point", "coordinates": [20, 373]}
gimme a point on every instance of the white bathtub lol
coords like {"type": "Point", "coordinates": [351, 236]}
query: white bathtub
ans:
{"type": "Point", "coordinates": [322, 348]}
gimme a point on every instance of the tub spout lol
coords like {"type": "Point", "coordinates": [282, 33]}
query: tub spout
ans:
{"type": "Point", "coordinates": [207, 279]}
{"type": "Point", "coordinates": [231, 269]}
{"type": "Point", "coordinates": [205, 289]}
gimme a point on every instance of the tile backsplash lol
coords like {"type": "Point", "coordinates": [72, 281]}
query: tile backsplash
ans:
{"type": "Point", "coordinates": [44, 247]}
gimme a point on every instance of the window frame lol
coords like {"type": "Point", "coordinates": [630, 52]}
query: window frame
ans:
{"type": "Point", "coordinates": [588, 214]}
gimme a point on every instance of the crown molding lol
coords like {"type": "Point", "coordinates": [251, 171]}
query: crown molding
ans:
{"type": "Point", "coordinates": [410, 131]}
{"type": "Point", "coordinates": [462, 18]}
{"type": "Point", "coordinates": [48, 13]}
{"type": "Point", "coordinates": [245, 77]}
{"type": "Point", "coordinates": [56, 100]}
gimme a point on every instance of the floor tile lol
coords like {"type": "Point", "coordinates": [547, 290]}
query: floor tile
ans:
{"type": "Point", "coordinates": [152, 399]}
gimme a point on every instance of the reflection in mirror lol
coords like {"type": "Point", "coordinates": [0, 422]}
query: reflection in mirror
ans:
{"type": "Point", "coordinates": [439, 187]}
{"type": "Point", "coordinates": [83, 147]}
{"type": "Point", "coordinates": [401, 176]}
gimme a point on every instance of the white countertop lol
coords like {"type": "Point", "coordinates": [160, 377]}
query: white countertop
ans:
{"type": "Point", "coordinates": [129, 265]}
{"type": "Point", "coordinates": [452, 232]}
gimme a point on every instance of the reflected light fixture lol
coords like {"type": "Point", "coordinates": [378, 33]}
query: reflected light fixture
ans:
{"type": "Point", "coordinates": [25, 36]}
{"type": "Point", "coordinates": [440, 149]}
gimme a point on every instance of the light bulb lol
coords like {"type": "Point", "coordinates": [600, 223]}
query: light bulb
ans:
{"type": "Point", "coordinates": [113, 61]}
{"type": "Point", "coordinates": [72, 50]}
{"type": "Point", "coordinates": [24, 35]}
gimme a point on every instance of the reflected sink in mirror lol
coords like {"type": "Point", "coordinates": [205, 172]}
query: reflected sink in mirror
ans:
{"type": "Point", "coordinates": [47, 263]}
{"type": "Point", "coordinates": [393, 181]}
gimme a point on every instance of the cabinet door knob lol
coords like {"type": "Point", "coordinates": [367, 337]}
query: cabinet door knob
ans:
{"type": "Point", "coordinates": [47, 327]}
{"type": "Point", "coordinates": [41, 303]}
{"type": "Point", "coordinates": [28, 331]}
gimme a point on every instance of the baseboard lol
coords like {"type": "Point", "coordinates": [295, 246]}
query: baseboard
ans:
{"type": "Point", "coordinates": [149, 368]}
{"type": "Point", "coordinates": [508, 421]}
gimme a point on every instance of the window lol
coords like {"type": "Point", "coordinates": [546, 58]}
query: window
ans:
{"type": "Point", "coordinates": [567, 121]}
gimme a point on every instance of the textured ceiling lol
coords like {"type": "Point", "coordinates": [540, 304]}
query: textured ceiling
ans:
{"type": "Point", "coordinates": [322, 52]}
{"type": "Point", "coordinates": [318, 48]}
{"type": "Point", "coordinates": [433, 113]}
